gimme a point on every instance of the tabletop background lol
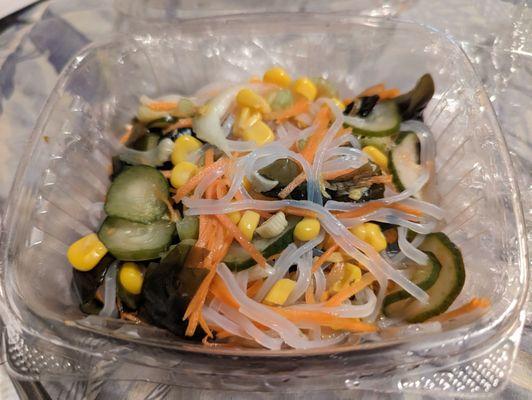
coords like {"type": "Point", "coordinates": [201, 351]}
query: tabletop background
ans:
{"type": "Point", "coordinates": [37, 42]}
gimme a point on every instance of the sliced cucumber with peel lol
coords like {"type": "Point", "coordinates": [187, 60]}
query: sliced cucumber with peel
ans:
{"type": "Point", "coordinates": [384, 120]}
{"type": "Point", "coordinates": [138, 194]}
{"type": "Point", "coordinates": [238, 259]}
{"type": "Point", "coordinates": [442, 292]}
{"type": "Point", "coordinates": [403, 163]}
{"type": "Point", "coordinates": [134, 241]}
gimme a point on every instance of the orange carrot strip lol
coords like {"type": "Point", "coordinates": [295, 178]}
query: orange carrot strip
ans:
{"type": "Point", "coordinates": [125, 137]}
{"type": "Point", "coordinates": [309, 295]}
{"type": "Point", "coordinates": [254, 288]}
{"type": "Point", "coordinates": [246, 244]}
{"type": "Point", "coordinates": [209, 156]}
{"type": "Point", "coordinates": [205, 327]}
{"type": "Point", "coordinates": [350, 290]}
{"type": "Point", "coordinates": [321, 259]}
{"type": "Point", "coordinates": [219, 290]}
{"type": "Point", "coordinates": [193, 182]}
{"type": "Point", "coordinates": [299, 212]}
{"type": "Point", "coordinates": [321, 121]}
{"type": "Point", "coordinates": [181, 123]}
{"type": "Point", "coordinates": [335, 174]}
{"type": "Point", "coordinates": [474, 304]}
{"type": "Point", "coordinates": [324, 319]}
{"type": "Point", "coordinates": [372, 90]}
{"type": "Point", "coordinates": [389, 94]}
{"type": "Point", "coordinates": [298, 180]}
{"type": "Point", "coordinates": [162, 105]}
{"type": "Point", "coordinates": [370, 207]}
{"type": "Point", "coordinates": [297, 108]}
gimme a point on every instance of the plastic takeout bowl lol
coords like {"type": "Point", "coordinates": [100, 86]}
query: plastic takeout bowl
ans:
{"type": "Point", "coordinates": [65, 172]}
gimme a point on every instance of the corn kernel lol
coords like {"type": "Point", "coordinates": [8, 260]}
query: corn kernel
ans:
{"type": "Point", "coordinates": [307, 229]}
{"type": "Point", "coordinates": [247, 118]}
{"type": "Point", "coordinates": [277, 76]}
{"type": "Point", "coordinates": [352, 273]}
{"type": "Point", "coordinates": [338, 103]}
{"type": "Point", "coordinates": [280, 292]}
{"type": "Point", "coordinates": [248, 98]}
{"type": "Point", "coordinates": [85, 253]}
{"type": "Point", "coordinates": [131, 277]}
{"type": "Point", "coordinates": [259, 133]}
{"type": "Point", "coordinates": [370, 233]}
{"type": "Point", "coordinates": [182, 172]}
{"type": "Point", "coordinates": [306, 88]}
{"type": "Point", "coordinates": [248, 223]}
{"type": "Point", "coordinates": [235, 216]}
{"type": "Point", "coordinates": [184, 145]}
{"type": "Point", "coordinates": [377, 156]}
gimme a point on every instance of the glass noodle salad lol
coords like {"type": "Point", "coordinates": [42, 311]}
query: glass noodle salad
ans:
{"type": "Point", "coordinates": [271, 213]}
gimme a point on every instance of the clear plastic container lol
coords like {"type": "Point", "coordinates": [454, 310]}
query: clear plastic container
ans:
{"type": "Point", "coordinates": [65, 171]}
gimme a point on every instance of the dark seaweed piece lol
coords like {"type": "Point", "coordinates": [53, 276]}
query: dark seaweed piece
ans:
{"type": "Point", "coordinates": [283, 170]}
{"type": "Point", "coordinates": [167, 290]}
{"type": "Point", "coordinates": [86, 283]}
{"type": "Point", "coordinates": [146, 142]}
{"type": "Point", "coordinates": [367, 103]}
{"type": "Point", "coordinates": [299, 193]}
{"type": "Point", "coordinates": [138, 130]}
{"type": "Point", "coordinates": [349, 108]}
{"type": "Point", "coordinates": [412, 103]}
{"type": "Point", "coordinates": [131, 301]}
{"type": "Point", "coordinates": [118, 166]}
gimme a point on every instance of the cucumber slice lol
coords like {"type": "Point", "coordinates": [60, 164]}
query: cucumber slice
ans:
{"type": "Point", "coordinates": [238, 259]}
{"type": "Point", "coordinates": [133, 241]}
{"type": "Point", "coordinates": [446, 288]}
{"type": "Point", "coordinates": [403, 162]}
{"type": "Point", "coordinates": [138, 194]}
{"type": "Point", "coordinates": [188, 227]}
{"type": "Point", "coordinates": [423, 276]}
{"type": "Point", "coordinates": [384, 120]}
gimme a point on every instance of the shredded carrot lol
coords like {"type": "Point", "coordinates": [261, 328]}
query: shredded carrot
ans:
{"type": "Point", "coordinates": [205, 327]}
{"type": "Point", "coordinates": [377, 179]}
{"type": "Point", "coordinates": [209, 156]}
{"type": "Point", "coordinates": [299, 212]}
{"type": "Point", "coordinates": [239, 237]}
{"type": "Point", "coordinates": [219, 290]}
{"type": "Point", "coordinates": [390, 235]}
{"type": "Point", "coordinates": [221, 334]}
{"type": "Point", "coordinates": [474, 304]}
{"type": "Point", "coordinates": [373, 90]}
{"type": "Point", "coordinates": [335, 174]}
{"type": "Point", "coordinates": [321, 259]}
{"type": "Point", "coordinates": [389, 94]}
{"type": "Point", "coordinates": [298, 180]}
{"type": "Point", "coordinates": [350, 290]}
{"type": "Point", "coordinates": [370, 207]}
{"type": "Point", "coordinates": [180, 123]}
{"type": "Point", "coordinates": [162, 105]}
{"type": "Point", "coordinates": [321, 121]}
{"type": "Point", "coordinates": [254, 288]}
{"type": "Point", "coordinates": [125, 137]}
{"type": "Point", "coordinates": [309, 295]}
{"type": "Point", "coordinates": [299, 107]}
{"type": "Point", "coordinates": [193, 182]}
{"type": "Point", "coordinates": [324, 296]}
{"type": "Point", "coordinates": [324, 319]}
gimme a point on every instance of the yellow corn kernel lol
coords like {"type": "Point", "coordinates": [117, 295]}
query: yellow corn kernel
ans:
{"type": "Point", "coordinates": [306, 88]}
{"type": "Point", "coordinates": [248, 98]}
{"type": "Point", "coordinates": [85, 253]}
{"type": "Point", "coordinates": [248, 223]}
{"type": "Point", "coordinates": [247, 118]}
{"type": "Point", "coordinates": [375, 236]}
{"type": "Point", "coordinates": [370, 233]}
{"type": "Point", "coordinates": [307, 229]}
{"type": "Point", "coordinates": [182, 172]}
{"type": "Point", "coordinates": [259, 132]}
{"type": "Point", "coordinates": [377, 156]}
{"type": "Point", "coordinates": [184, 145]}
{"type": "Point", "coordinates": [235, 216]}
{"type": "Point", "coordinates": [352, 273]}
{"type": "Point", "coordinates": [131, 277]}
{"type": "Point", "coordinates": [280, 292]}
{"type": "Point", "coordinates": [338, 103]}
{"type": "Point", "coordinates": [277, 76]}
{"type": "Point", "coordinates": [247, 184]}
